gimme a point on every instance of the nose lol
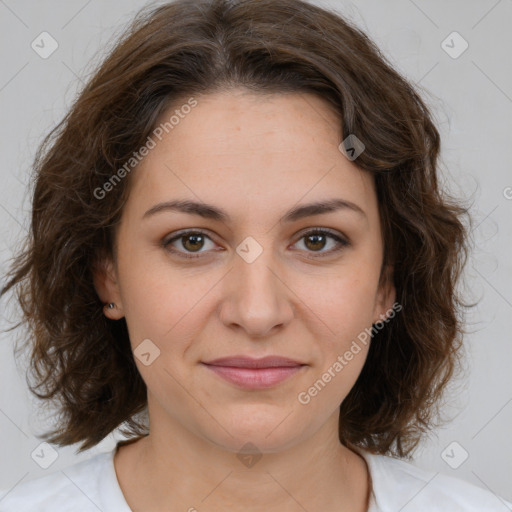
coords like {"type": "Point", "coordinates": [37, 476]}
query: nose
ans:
{"type": "Point", "coordinates": [256, 297]}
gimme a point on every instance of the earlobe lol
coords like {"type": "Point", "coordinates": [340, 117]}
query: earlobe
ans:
{"type": "Point", "coordinates": [106, 286]}
{"type": "Point", "coordinates": [110, 311]}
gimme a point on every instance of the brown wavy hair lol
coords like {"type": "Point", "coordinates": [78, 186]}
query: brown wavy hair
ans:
{"type": "Point", "coordinates": [83, 362]}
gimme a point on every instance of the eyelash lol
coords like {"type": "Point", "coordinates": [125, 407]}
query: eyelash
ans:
{"type": "Point", "coordinates": [342, 243]}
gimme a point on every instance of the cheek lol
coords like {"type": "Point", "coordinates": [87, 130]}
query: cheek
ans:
{"type": "Point", "coordinates": [340, 314]}
{"type": "Point", "coordinates": [154, 299]}
{"type": "Point", "coordinates": [343, 303]}
{"type": "Point", "coordinates": [168, 311]}
{"type": "Point", "coordinates": [342, 342]}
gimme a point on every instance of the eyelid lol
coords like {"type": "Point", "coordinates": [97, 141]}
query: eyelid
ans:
{"type": "Point", "coordinates": [342, 241]}
{"type": "Point", "coordinates": [325, 231]}
{"type": "Point", "coordinates": [167, 241]}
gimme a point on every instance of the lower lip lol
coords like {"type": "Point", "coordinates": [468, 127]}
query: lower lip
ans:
{"type": "Point", "coordinates": [255, 378]}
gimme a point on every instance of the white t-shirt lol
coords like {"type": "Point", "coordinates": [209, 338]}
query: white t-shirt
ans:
{"type": "Point", "coordinates": [397, 486]}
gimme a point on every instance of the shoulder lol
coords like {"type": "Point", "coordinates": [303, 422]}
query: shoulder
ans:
{"type": "Point", "coordinates": [81, 487]}
{"type": "Point", "coordinates": [398, 485]}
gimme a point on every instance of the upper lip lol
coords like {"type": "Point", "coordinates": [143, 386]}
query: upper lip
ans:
{"type": "Point", "coordinates": [250, 362]}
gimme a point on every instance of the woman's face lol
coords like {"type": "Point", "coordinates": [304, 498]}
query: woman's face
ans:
{"type": "Point", "coordinates": [258, 281]}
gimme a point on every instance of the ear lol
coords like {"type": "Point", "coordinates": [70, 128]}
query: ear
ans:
{"type": "Point", "coordinates": [386, 295]}
{"type": "Point", "coordinates": [105, 283]}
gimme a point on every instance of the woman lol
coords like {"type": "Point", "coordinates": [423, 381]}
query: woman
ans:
{"type": "Point", "coordinates": [240, 255]}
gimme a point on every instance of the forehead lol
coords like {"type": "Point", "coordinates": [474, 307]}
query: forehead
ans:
{"type": "Point", "coordinates": [250, 150]}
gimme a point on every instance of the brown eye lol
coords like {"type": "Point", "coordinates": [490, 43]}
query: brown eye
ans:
{"type": "Point", "coordinates": [187, 243]}
{"type": "Point", "coordinates": [192, 242]}
{"type": "Point", "coordinates": [316, 240]}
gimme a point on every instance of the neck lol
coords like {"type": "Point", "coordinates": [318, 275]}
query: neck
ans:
{"type": "Point", "coordinates": [174, 466]}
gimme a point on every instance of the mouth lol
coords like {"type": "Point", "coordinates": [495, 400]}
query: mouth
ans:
{"type": "Point", "coordinates": [250, 373]}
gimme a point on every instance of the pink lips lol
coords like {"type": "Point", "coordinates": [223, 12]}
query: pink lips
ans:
{"type": "Point", "coordinates": [252, 373]}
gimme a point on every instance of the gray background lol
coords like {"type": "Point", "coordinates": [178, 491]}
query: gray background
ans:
{"type": "Point", "coordinates": [471, 96]}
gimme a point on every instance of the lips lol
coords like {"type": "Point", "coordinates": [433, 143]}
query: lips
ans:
{"type": "Point", "coordinates": [251, 373]}
{"type": "Point", "coordinates": [249, 362]}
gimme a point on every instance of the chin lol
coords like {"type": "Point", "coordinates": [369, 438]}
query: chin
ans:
{"type": "Point", "coordinates": [250, 433]}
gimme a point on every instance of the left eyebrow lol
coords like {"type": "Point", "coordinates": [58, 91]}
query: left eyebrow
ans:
{"type": "Point", "coordinates": [322, 207]}
{"type": "Point", "coordinates": [209, 211]}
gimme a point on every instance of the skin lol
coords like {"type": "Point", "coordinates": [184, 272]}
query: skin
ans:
{"type": "Point", "coordinates": [256, 157]}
